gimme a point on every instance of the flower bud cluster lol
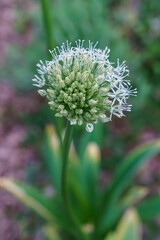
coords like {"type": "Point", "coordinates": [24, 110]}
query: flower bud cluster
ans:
{"type": "Point", "coordinates": [83, 86]}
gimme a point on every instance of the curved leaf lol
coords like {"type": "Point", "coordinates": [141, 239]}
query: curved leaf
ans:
{"type": "Point", "coordinates": [129, 227]}
{"type": "Point", "coordinates": [52, 156]}
{"type": "Point", "coordinates": [124, 175]}
{"type": "Point", "coordinates": [50, 210]}
{"type": "Point", "coordinates": [149, 208]}
{"type": "Point", "coordinates": [30, 197]}
{"type": "Point", "coordinates": [51, 233]}
{"type": "Point", "coordinates": [83, 175]}
{"type": "Point", "coordinates": [90, 165]}
{"type": "Point", "coordinates": [134, 196]}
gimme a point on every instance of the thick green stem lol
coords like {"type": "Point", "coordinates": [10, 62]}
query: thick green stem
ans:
{"type": "Point", "coordinates": [64, 180]}
{"type": "Point", "coordinates": [65, 152]}
{"type": "Point", "coordinates": [48, 25]}
{"type": "Point", "coordinates": [46, 9]}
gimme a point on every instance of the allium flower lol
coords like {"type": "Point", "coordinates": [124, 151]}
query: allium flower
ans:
{"type": "Point", "coordinates": [82, 85]}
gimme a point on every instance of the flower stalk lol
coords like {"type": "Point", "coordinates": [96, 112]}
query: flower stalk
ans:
{"type": "Point", "coordinates": [48, 25]}
{"type": "Point", "coordinates": [65, 153]}
{"type": "Point", "coordinates": [64, 179]}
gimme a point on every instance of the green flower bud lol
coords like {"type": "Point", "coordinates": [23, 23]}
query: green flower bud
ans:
{"type": "Point", "coordinates": [43, 93]}
{"type": "Point", "coordinates": [83, 86]}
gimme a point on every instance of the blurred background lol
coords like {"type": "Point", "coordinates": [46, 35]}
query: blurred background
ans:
{"type": "Point", "coordinates": [131, 29]}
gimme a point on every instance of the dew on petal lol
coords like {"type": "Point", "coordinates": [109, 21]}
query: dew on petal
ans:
{"type": "Point", "coordinates": [89, 127]}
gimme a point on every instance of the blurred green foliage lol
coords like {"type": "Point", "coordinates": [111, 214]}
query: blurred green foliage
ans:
{"type": "Point", "coordinates": [98, 210]}
{"type": "Point", "coordinates": [131, 29]}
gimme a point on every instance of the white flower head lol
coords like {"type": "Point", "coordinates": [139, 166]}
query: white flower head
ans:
{"type": "Point", "coordinates": [82, 85]}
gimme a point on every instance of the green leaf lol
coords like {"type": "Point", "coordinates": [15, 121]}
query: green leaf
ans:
{"type": "Point", "coordinates": [149, 208]}
{"type": "Point", "coordinates": [78, 197]}
{"type": "Point", "coordinates": [112, 218]}
{"type": "Point", "coordinates": [51, 232]}
{"type": "Point", "coordinates": [90, 175]}
{"type": "Point", "coordinates": [129, 167]}
{"type": "Point", "coordinates": [129, 228]}
{"type": "Point", "coordinates": [134, 195]}
{"type": "Point", "coordinates": [30, 197]}
{"type": "Point", "coordinates": [83, 175]}
{"type": "Point", "coordinates": [123, 177]}
{"type": "Point", "coordinates": [50, 210]}
{"type": "Point", "coordinates": [52, 156]}
{"type": "Point", "coordinates": [111, 236]}
{"type": "Point", "coordinates": [78, 185]}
